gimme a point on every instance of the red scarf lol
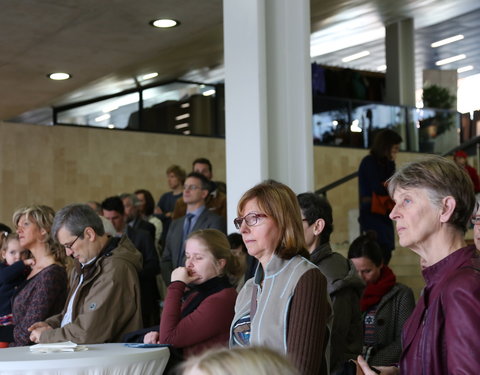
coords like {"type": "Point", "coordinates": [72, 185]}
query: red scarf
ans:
{"type": "Point", "coordinates": [374, 292]}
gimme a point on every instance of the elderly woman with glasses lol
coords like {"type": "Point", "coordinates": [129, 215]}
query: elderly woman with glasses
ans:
{"type": "Point", "coordinates": [434, 201]}
{"type": "Point", "coordinates": [285, 306]}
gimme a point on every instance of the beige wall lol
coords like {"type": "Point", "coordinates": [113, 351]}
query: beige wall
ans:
{"type": "Point", "coordinates": [57, 165]}
{"type": "Point", "coordinates": [333, 163]}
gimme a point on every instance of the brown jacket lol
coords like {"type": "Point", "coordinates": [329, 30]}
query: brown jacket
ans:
{"type": "Point", "coordinates": [107, 304]}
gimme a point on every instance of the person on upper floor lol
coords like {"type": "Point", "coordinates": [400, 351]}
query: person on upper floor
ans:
{"type": "Point", "coordinates": [385, 304]}
{"type": "Point", "coordinates": [460, 158]}
{"type": "Point", "coordinates": [375, 204]}
{"type": "Point", "coordinates": [285, 306]}
{"type": "Point", "coordinates": [104, 297]}
{"type": "Point", "coordinates": [198, 217]}
{"type": "Point", "coordinates": [216, 200]}
{"type": "Point", "coordinates": [44, 291]}
{"type": "Point", "coordinates": [345, 287]}
{"type": "Point", "coordinates": [113, 210]}
{"type": "Point", "coordinates": [434, 202]}
{"type": "Point", "coordinates": [14, 268]}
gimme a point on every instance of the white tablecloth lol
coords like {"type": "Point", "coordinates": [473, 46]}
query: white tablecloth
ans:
{"type": "Point", "coordinates": [115, 359]}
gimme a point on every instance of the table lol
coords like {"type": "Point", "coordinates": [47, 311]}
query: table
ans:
{"type": "Point", "coordinates": [115, 359]}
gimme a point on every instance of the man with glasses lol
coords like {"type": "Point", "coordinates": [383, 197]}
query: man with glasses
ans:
{"type": "Point", "coordinates": [104, 299]}
{"type": "Point", "coordinates": [195, 191]}
{"type": "Point", "coordinates": [216, 199]}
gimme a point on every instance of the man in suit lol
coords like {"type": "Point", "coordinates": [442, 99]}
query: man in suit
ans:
{"type": "Point", "coordinates": [196, 190]}
{"type": "Point", "coordinates": [216, 199]}
{"type": "Point", "coordinates": [114, 211]}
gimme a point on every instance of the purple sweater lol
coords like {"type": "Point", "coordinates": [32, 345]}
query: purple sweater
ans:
{"type": "Point", "coordinates": [37, 299]}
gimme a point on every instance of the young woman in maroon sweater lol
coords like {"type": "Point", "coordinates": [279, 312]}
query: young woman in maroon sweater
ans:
{"type": "Point", "coordinates": [200, 301]}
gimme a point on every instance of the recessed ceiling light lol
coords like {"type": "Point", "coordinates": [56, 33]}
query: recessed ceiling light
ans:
{"type": "Point", "coordinates": [382, 68]}
{"type": "Point", "coordinates": [149, 76]}
{"type": "Point", "coordinates": [464, 69]}
{"type": "Point", "coordinates": [164, 23]}
{"type": "Point", "coordinates": [209, 92]}
{"type": "Point", "coordinates": [447, 41]}
{"type": "Point", "coordinates": [450, 60]}
{"type": "Point", "coordinates": [356, 56]}
{"type": "Point", "coordinates": [59, 76]}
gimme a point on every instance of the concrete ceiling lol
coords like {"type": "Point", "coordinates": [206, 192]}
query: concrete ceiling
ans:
{"type": "Point", "coordinates": [107, 44]}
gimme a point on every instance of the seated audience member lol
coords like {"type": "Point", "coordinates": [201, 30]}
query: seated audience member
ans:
{"type": "Point", "coordinates": [13, 271]}
{"type": "Point", "coordinates": [216, 201]}
{"type": "Point", "coordinates": [44, 291]}
{"type": "Point", "coordinates": [104, 298]}
{"type": "Point", "coordinates": [248, 263]}
{"type": "Point", "coordinates": [199, 305]}
{"type": "Point", "coordinates": [385, 304]}
{"type": "Point", "coordinates": [239, 361]}
{"type": "Point", "coordinates": [198, 217]}
{"type": "Point", "coordinates": [344, 285]}
{"type": "Point", "coordinates": [114, 210]}
{"type": "Point", "coordinates": [434, 201]}
{"type": "Point", "coordinates": [133, 218]}
{"type": "Point", "coordinates": [285, 306]}
{"type": "Point", "coordinates": [146, 205]}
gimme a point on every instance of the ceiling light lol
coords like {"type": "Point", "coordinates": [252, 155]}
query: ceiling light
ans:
{"type": "Point", "coordinates": [447, 41]}
{"type": "Point", "coordinates": [101, 118]}
{"type": "Point", "coordinates": [356, 56]}
{"type": "Point", "coordinates": [464, 69]}
{"type": "Point", "coordinates": [111, 126]}
{"type": "Point", "coordinates": [209, 92]}
{"type": "Point", "coordinates": [450, 60]}
{"type": "Point", "coordinates": [149, 76]}
{"type": "Point", "coordinates": [164, 23]}
{"type": "Point", "coordinates": [382, 68]}
{"type": "Point", "coordinates": [59, 76]}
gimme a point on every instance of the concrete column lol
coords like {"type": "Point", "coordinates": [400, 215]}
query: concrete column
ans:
{"type": "Point", "coordinates": [400, 56]}
{"type": "Point", "coordinates": [267, 95]}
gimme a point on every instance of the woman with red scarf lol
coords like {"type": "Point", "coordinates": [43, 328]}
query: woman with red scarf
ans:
{"type": "Point", "coordinates": [385, 304]}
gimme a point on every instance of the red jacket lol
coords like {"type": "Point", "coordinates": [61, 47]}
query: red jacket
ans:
{"type": "Point", "coordinates": [207, 326]}
{"type": "Point", "coordinates": [443, 333]}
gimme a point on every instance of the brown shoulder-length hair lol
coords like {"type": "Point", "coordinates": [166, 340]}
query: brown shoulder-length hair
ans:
{"type": "Point", "coordinates": [280, 203]}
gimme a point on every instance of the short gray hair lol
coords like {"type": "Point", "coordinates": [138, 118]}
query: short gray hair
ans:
{"type": "Point", "coordinates": [75, 218]}
{"type": "Point", "coordinates": [441, 178]}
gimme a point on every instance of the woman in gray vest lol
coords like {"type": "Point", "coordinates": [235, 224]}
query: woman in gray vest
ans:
{"type": "Point", "coordinates": [285, 306]}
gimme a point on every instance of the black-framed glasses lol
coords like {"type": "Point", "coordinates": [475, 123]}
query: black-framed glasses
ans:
{"type": "Point", "coordinates": [475, 220]}
{"type": "Point", "coordinates": [69, 245]}
{"type": "Point", "coordinates": [250, 219]}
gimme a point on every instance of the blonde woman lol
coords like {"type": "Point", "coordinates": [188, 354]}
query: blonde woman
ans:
{"type": "Point", "coordinates": [44, 292]}
{"type": "Point", "coordinates": [239, 361]}
{"type": "Point", "coordinates": [199, 305]}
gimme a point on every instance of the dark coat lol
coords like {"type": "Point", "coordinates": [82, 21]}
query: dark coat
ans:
{"type": "Point", "coordinates": [345, 289]}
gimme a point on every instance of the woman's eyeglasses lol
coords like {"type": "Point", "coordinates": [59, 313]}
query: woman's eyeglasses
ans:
{"type": "Point", "coordinates": [250, 219]}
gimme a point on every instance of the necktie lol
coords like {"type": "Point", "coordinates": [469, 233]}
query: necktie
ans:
{"type": "Point", "coordinates": [187, 228]}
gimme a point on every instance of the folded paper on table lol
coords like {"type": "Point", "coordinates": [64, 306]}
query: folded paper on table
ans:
{"type": "Point", "coordinates": [66, 346]}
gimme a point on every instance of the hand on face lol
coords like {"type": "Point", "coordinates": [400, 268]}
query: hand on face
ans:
{"type": "Point", "coordinates": [182, 274]}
